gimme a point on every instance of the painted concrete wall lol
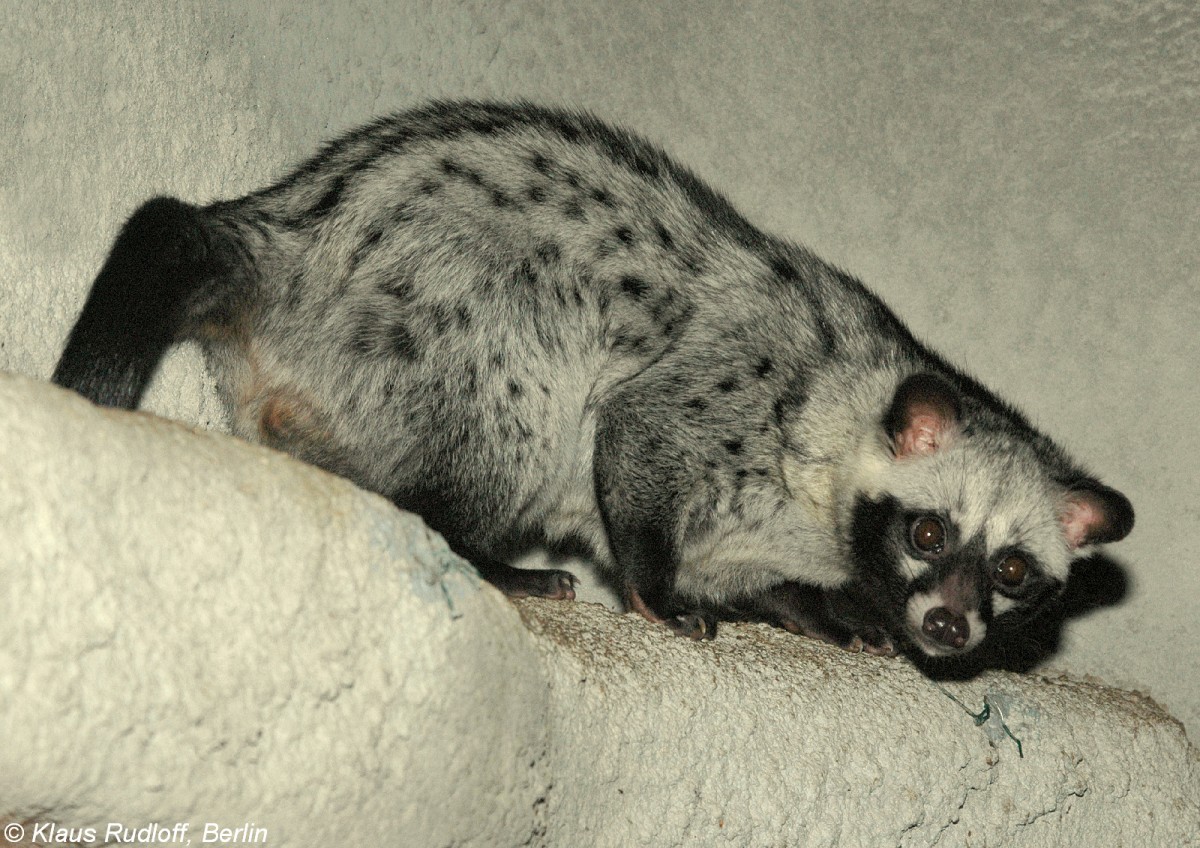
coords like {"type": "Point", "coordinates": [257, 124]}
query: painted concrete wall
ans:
{"type": "Point", "coordinates": [1017, 180]}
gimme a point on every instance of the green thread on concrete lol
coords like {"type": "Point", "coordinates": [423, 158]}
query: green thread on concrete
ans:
{"type": "Point", "coordinates": [983, 715]}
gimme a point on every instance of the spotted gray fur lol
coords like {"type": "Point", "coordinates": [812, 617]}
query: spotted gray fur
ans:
{"type": "Point", "coordinates": [527, 325]}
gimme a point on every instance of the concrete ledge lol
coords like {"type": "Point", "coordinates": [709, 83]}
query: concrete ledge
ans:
{"type": "Point", "coordinates": [198, 631]}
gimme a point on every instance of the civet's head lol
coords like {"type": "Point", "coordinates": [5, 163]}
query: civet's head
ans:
{"type": "Point", "coordinates": [965, 516]}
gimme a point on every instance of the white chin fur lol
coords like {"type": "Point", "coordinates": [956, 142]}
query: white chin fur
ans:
{"type": "Point", "coordinates": [921, 603]}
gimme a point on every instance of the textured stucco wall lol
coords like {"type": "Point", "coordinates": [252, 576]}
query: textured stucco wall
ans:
{"type": "Point", "coordinates": [1017, 180]}
{"type": "Point", "coordinates": [196, 631]}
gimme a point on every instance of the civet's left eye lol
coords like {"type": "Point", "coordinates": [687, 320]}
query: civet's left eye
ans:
{"type": "Point", "coordinates": [1011, 571]}
{"type": "Point", "coordinates": [928, 534]}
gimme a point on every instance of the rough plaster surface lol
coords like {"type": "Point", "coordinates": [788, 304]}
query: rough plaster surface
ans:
{"type": "Point", "coordinates": [1018, 180]}
{"type": "Point", "coordinates": [196, 630]}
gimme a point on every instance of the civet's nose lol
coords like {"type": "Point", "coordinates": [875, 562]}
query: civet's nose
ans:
{"type": "Point", "coordinates": [947, 627]}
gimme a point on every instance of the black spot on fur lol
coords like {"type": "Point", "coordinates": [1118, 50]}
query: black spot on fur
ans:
{"type": "Point", "coordinates": [497, 360]}
{"type": "Point", "coordinates": [784, 270]}
{"type": "Point", "coordinates": [625, 340]}
{"type": "Point", "coordinates": [536, 194]}
{"type": "Point", "coordinates": [779, 411]}
{"type": "Point", "coordinates": [362, 341]}
{"type": "Point", "coordinates": [515, 389]}
{"type": "Point", "coordinates": [366, 246]}
{"type": "Point", "coordinates": [549, 252]}
{"type": "Point", "coordinates": [449, 166]}
{"type": "Point", "coordinates": [574, 210]}
{"type": "Point", "coordinates": [463, 314]}
{"type": "Point", "coordinates": [486, 124]}
{"type": "Point", "coordinates": [295, 290]}
{"type": "Point", "coordinates": [501, 200]}
{"type": "Point", "coordinates": [672, 313]}
{"type": "Point", "coordinates": [572, 179]}
{"type": "Point", "coordinates": [664, 308]}
{"type": "Point", "coordinates": [625, 236]}
{"type": "Point", "coordinates": [524, 275]}
{"type": "Point", "coordinates": [545, 389]}
{"type": "Point", "coordinates": [444, 120]}
{"type": "Point", "coordinates": [825, 331]}
{"type": "Point", "coordinates": [542, 164]}
{"type": "Point", "coordinates": [693, 263]}
{"type": "Point", "coordinates": [727, 385]}
{"type": "Point", "coordinates": [578, 297]}
{"type": "Point", "coordinates": [698, 404]}
{"type": "Point", "coordinates": [329, 199]}
{"type": "Point", "coordinates": [401, 289]}
{"type": "Point", "coordinates": [439, 314]}
{"type": "Point", "coordinates": [646, 166]}
{"type": "Point", "coordinates": [403, 343]}
{"type": "Point", "coordinates": [791, 399]}
{"type": "Point", "coordinates": [734, 446]}
{"type": "Point", "coordinates": [568, 128]}
{"type": "Point", "coordinates": [664, 236]}
{"type": "Point", "coordinates": [764, 367]}
{"type": "Point", "coordinates": [603, 197]}
{"type": "Point", "coordinates": [635, 287]}
{"type": "Point", "coordinates": [429, 187]}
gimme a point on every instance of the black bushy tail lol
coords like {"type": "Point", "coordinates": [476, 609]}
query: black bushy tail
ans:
{"type": "Point", "coordinates": [155, 276]}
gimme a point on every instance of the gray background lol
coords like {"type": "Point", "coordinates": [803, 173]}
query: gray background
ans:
{"type": "Point", "coordinates": [1018, 181]}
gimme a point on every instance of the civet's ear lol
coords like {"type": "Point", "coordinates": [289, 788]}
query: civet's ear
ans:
{"type": "Point", "coordinates": [923, 416]}
{"type": "Point", "coordinates": [1092, 514]}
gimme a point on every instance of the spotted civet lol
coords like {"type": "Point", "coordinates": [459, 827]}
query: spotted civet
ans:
{"type": "Point", "coordinates": [526, 325]}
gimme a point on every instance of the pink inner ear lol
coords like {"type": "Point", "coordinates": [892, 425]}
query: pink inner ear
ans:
{"type": "Point", "coordinates": [1081, 517]}
{"type": "Point", "coordinates": [923, 434]}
